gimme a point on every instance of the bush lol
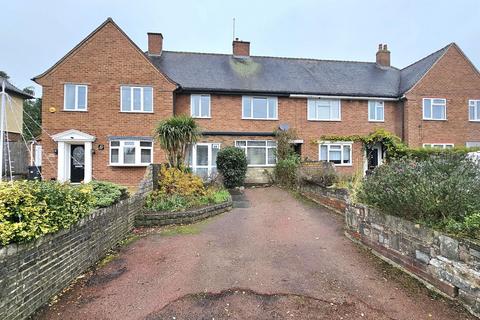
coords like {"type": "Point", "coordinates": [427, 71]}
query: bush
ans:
{"type": "Point", "coordinates": [319, 173]}
{"type": "Point", "coordinates": [286, 170]}
{"type": "Point", "coordinates": [174, 181]}
{"type": "Point", "coordinates": [232, 164]}
{"type": "Point", "coordinates": [441, 191]}
{"type": "Point", "coordinates": [29, 209]}
{"type": "Point", "coordinates": [107, 193]}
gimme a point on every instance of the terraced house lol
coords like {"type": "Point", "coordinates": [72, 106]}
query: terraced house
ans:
{"type": "Point", "coordinates": [102, 100]}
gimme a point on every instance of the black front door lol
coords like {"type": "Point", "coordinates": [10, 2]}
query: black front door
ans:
{"type": "Point", "coordinates": [77, 161]}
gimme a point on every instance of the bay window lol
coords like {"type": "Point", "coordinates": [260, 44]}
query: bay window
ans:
{"type": "Point", "coordinates": [131, 152]}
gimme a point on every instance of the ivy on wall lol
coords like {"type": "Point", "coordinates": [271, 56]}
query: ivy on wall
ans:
{"type": "Point", "coordinates": [394, 146]}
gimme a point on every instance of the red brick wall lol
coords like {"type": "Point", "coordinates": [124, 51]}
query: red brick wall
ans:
{"type": "Point", "coordinates": [226, 115]}
{"type": "Point", "coordinates": [105, 62]}
{"type": "Point", "coordinates": [454, 79]}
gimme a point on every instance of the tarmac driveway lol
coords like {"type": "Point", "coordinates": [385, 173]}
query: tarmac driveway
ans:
{"type": "Point", "coordinates": [281, 258]}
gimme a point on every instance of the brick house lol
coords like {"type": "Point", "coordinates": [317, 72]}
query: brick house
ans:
{"type": "Point", "coordinates": [102, 100]}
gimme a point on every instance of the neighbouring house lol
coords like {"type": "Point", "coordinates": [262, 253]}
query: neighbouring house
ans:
{"type": "Point", "coordinates": [102, 100]}
{"type": "Point", "coordinates": [16, 152]}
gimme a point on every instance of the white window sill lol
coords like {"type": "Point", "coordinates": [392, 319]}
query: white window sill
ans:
{"type": "Point", "coordinates": [261, 119]}
{"type": "Point", "coordinates": [147, 112]}
{"type": "Point", "coordinates": [376, 121]}
{"type": "Point", "coordinates": [129, 165]}
{"type": "Point", "coordinates": [74, 110]}
{"type": "Point", "coordinates": [326, 120]}
{"type": "Point", "coordinates": [474, 120]}
{"type": "Point", "coordinates": [201, 117]}
{"type": "Point", "coordinates": [434, 119]}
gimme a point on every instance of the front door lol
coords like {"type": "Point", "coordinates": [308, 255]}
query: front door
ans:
{"type": "Point", "coordinates": [77, 163]}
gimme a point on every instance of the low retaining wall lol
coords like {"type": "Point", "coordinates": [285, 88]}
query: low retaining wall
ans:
{"type": "Point", "coordinates": [32, 273]}
{"type": "Point", "coordinates": [153, 218]}
{"type": "Point", "coordinates": [448, 265]}
{"type": "Point", "coordinates": [334, 199]}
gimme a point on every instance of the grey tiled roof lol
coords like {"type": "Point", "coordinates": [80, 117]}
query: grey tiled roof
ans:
{"type": "Point", "coordinates": [413, 73]}
{"type": "Point", "coordinates": [222, 72]}
{"type": "Point", "coordinates": [10, 88]}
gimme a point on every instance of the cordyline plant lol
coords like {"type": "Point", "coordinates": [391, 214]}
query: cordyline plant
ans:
{"type": "Point", "coordinates": [175, 135]}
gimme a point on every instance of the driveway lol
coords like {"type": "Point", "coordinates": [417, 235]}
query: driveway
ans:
{"type": "Point", "coordinates": [281, 258]}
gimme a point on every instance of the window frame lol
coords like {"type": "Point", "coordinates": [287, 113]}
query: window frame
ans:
{"type": "Point", "coordinates": [138, 153]}
{"type": "Point", "coordinates": [268, 98]}
{"type": "Point", "coordinates": [142, 99]}
{"type": "Point", "coordinates": [342, 144]}
{"type": "Point", "coordinates": [431, 109]}
{"type": "Point", "coordinates": [76, 85]}
{"type": "Point", "coordinates": [375, 119]}
{"type": "Point", "coordinates": [475, 103]}
{"type": "Point", "coordinates": [210, 167]}
{"type": "Point", "coordinates": [200, 101]}
{"type": "Point", "coordinates": [266, 147]}
{"type": "Point", "coordinates": [316, 100]}
{"type": "Point", "coordinates": [436, 145]}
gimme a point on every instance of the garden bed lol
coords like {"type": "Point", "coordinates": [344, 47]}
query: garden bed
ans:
{"type": "Point", "coordinates": [149, 218]}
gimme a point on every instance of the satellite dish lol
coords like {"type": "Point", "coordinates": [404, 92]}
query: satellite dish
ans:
{"type": "Point", "coordinates": [284, 126]}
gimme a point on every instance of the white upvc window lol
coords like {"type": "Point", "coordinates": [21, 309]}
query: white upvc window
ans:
{"type": "Point", "coordinates": [472, 144]}
{"type": "Point", "coordinates": [438, 145]}
{"type": "Point", "coordinates": [202, 158]}
{"type": "Point", "coordinates": [75, 97]}
{"type": "Point", "coordinates": [136, 99]}
{"type": "Point", "coordinates": [259, 153]}
{"type": "Point", "coordinates": [434, 109]}
{"type": "Point", "coordinates": [260, 108]}
{"type": "Point", "coordinates": [200, 105]}
{"type": "Point", "coordinates": [474, 110]}
{"type": "Point", "coordinates": [324, 110]}
{"type": "Point", "coordinates": [376, 111]}
{"type": "Point", "coordinates": [339, 153]}
{"type": "Point", "coordinates": [131, 152]}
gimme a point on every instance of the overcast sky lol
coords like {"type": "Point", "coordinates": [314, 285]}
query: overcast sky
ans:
{"type": "Point", "coordinates": [36, 34]}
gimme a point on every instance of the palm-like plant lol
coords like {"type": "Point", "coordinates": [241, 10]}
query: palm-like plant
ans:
{"type": "Point", "coordinates": [175, 134]}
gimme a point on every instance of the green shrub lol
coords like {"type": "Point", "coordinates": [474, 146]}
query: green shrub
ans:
{"type": "Point", "coordinates": [319, 173]}
{"type": "Point", "coordinates": [158, 201]}
{"type": "Point", "coordinates": [286, 170]}
{"type": "Point", "coordinates": [232, 164]}
{"type": "Point", "coordinates": [174, 181]}
{"type": "Point", "coordinates": [107, 193]}
{"type": "Point", "coordinates": [30, 209]}
{"type": "Point", "coordinates": [440, 191]}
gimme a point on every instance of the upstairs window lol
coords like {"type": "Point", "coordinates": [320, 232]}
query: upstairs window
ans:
{"type": "Point", "coordinates": [434, 109]}
{"type": "Point", "coordinates": [375, 111]}
{"type": "Point", "coordinates": [75, 97]}
{"type": "Point", "coordinates": [338, 153]}
{"type": "Point", "coordinates": [474, 110]}
{"type": "Point", "coordinates": [324, 110]}
{"type": "Point", "coordinates": [438, 145]}
{"type": "Point", "coordinates": [136, 99]}
{"type": "Point", "coordinates": [200, 105]}
{"type": "Point", "coordinates": [131, 152]}
{"type": "Point", "coordinates": [259, 152]}
{"type": "Point", "coordinates": [260, 108]}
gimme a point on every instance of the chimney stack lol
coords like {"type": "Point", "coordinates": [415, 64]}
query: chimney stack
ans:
{"type": "Point", "coordinates": [241, 48]}
{"type": "Point", "coordinates": [383, 55]}
{"type": "Point", "coordinates": [155, 43]}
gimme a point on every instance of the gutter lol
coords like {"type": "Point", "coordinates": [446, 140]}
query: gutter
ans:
{"type": "Point", "coordinates": [342, 97]}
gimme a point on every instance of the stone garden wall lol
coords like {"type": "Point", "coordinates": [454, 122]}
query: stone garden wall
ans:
{"type": "Point", "coordinates": [443, 263]}
{"type": "Point", "coordinates": [32, 273]}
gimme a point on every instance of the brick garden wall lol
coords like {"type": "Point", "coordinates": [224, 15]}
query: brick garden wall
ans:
{"type": "Point", "coordinates": [443, 263]}
{"type": "Point", "coordinates": [31, 273]}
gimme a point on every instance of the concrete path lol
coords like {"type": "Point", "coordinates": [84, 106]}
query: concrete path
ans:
{"type": "Point", "coordinates": [279, 258]}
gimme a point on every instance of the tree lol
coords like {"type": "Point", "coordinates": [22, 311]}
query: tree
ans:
{"type": "Point", "coordinates": [4, 75]}
{"type": "Point", "coordinates": [32, 118]}
{"type": "Point", "coordinates": [175, 134]}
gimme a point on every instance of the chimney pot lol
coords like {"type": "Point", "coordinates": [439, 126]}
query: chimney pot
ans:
{"type": "Point", "coordinates": [241, 48]}
{"type": "Point", "coordinates": [155, 43]}
{"type": "Point", "coordinates": [383, 56]}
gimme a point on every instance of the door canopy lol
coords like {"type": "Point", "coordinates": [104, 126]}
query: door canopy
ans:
{"type": "Point", "coordinates": [73, 136]}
